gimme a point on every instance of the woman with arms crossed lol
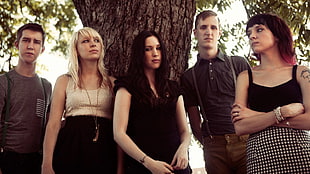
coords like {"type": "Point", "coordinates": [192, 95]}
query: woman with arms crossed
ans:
{"type": "Point", "coordinates": [273, 101]}
{"type": "Point", "coordinates": [84, 96]}
{"type": "Point", "coordinates": [149, 116]}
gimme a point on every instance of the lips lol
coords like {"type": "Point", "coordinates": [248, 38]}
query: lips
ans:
{"type": "Point", "coordinates": [208, 39]}
{"type": "Point", "coordinates": [94, 51]}
{"type": "Point", "coordinates": [156, 60]}
{"type": "Point", "coordinates": [29, 53]}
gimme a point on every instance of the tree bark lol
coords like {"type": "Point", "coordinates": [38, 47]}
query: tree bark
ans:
{"type": "Point", "coordinates": [119, 21]}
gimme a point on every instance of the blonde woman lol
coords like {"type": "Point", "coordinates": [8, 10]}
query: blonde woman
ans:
{"type": "Point", "coordinates": [84, 99]}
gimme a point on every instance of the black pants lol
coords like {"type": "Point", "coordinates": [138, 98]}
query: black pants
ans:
{"type": "Point", "coordinates": [20, 163]}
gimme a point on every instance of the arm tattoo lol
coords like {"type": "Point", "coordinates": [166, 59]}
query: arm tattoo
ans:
{"type": "Point", "coordinates": [305, 74]}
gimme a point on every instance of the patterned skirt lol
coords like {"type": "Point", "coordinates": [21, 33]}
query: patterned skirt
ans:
{"type": "Point", "coordinates": [278, 150]}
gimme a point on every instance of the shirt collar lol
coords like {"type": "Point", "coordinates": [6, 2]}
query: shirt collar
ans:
{"type": "Point", "coordinates": [220, 55]}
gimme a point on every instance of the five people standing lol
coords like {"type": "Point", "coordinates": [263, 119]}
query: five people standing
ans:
{"type": "Point", "coordinates": [269, 102]}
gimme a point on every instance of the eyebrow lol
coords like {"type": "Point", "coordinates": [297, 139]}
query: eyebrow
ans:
{"type": "Point", "coordinates": [152, 45]}
{"type": "Point", "coordinates": [254, 26]}
{"type": "Point", "coordinates": [28, 38]}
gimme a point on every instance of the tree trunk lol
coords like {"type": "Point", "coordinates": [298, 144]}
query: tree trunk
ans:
{"type": "Point", "coordinates": [119, 21]}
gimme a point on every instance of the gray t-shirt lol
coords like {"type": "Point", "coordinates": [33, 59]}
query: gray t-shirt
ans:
{"type": "Point", "coordinates": [27, 106]}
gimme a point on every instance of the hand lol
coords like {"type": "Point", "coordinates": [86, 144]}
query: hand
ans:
{"type": "Point", "coordinates": [292, 110]}
{"type": "Point", "coordinates": [240, 112]}
{"type": "Point", "coordinates": [47, 169]}
{"type": "Point", "coordinates": [180, 159]}
{"type": "Point", "coordinates": [158, 167]}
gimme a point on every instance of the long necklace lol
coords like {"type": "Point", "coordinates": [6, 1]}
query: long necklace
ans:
{"type": "Point", "coordinates": [95, 116]}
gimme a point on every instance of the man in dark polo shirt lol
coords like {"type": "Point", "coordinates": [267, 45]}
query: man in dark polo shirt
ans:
{"type": "Point", "coordinates": [215, 74]}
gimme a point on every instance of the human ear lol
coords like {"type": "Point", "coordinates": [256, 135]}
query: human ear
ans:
{"type": "Point", "coordinates": [16, 44]}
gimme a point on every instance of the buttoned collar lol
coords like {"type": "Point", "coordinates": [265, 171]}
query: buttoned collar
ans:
{"type": "Point", "coordinates": [220, 56]}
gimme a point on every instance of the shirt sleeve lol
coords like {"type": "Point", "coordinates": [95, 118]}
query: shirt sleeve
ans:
{"type": "Point", "coordinates": [240, 64]}
{"type": "Point", "coordinates": [188, 89]}
{"type": "Point", "coordinates": [122, 82]}
{"type": "Point", "coordinates": [3, 91]}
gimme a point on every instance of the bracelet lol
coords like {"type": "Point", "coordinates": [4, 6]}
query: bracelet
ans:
{"type": "Point", "coordinates": [142, 160]}
{"type": "Point", "coordinates": [278, 115]}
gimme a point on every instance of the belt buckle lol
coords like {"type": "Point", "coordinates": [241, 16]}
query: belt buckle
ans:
{"type": "Point", "coordinates": [227, 138]}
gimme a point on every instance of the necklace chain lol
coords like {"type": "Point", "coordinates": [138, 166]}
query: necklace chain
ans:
{"type": "Point", "coordinates": [95, 115]}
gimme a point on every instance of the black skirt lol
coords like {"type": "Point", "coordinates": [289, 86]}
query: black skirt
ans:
{"type": "Point", "coordinates": [76, 152]}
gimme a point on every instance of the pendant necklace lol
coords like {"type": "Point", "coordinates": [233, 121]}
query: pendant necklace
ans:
{"type": "Point", "coordinates": [95, 116]}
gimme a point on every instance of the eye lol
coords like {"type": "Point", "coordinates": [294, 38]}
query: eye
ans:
{"type": "Point", "coordinates": [259, 29]}
{"type": "Point", "coordinates": [97, 40]}
{"type": "Point", "coordinates": [213, 27]}
{"type": "Point", "coordinates": [203, 27]}
{"type": "Point", "coordinates": [25, 40]}
{"type": "Point", "coordinates": [148, 49]}
{"type": "Point", "coordinates": [158, 48]}
{"type": "Point", "coordinates": [85, 41]}
{"type": "Point", "coordinates": [37, 41]}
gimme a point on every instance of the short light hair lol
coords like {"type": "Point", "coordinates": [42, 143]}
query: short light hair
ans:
{"type": "Point", "coordinates": [205, 14]}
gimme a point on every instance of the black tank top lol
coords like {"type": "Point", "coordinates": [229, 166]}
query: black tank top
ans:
{"type": "Point", "coordinates": [265, 99]}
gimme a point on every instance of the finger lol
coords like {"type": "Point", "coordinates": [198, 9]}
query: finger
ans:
{"type": "Point", "coordinates": [168, 167]}
{"type": "Point", "coordinates": [235, 114]}
{"type": "Point", "coordinates": [174, 160]}
{"type": "Point", "coordinates": [234, 110]}
{"type": "Point", "coordinates": [235, 119]}
{"type": "Point", "coordinates": [235, 105]}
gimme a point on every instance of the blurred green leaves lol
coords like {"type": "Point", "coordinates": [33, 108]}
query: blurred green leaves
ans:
{"type": "Point", "coordinates": [57, 17]}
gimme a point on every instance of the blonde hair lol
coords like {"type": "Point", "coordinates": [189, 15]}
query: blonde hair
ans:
{"type": "Point", "coordinates": [74, 62]}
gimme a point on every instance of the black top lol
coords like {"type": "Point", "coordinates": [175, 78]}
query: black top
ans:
{"type": "Point", "coordinates": [217, 90]}
{"type": "Point", "coordinates": [265, 99]}
{"type": "Point", "coordinates": [153, 128]}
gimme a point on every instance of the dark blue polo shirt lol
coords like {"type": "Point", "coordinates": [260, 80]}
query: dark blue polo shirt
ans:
{"type": "Point", "coordinates": [217, 90]}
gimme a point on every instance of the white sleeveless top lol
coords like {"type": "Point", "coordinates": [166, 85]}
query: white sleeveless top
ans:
{"type": "Point", "coordinates": [98, 102]}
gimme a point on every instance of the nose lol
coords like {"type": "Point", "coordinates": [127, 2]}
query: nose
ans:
{"type": "Point", "coordinates": [155, 52]}
{"type": "Point", "coordinates": [208, 30]}
{"type": "Point", "coordinates": [30, 45]}
{"type": "Point", "coordinates": [93, 43]}
{"type": "Point", "coordinates": [252, 36]}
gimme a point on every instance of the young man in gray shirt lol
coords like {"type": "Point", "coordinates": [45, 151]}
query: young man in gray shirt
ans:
{"type": "Point", "coordinates": [22, 128]}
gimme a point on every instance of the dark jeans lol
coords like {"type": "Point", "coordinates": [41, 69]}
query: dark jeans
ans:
{"type": "Point", "coordinates": [20, 163]}
{"type": "Point", "coordinates": [225, 154]}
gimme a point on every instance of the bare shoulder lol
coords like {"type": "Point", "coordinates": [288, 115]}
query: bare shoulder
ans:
{"type": "Point", "coordinates": [303, 73]}
{"type": "Point", "coordinates": [62, 81]}
{"type": "Point", "coordinates": [303, 70]}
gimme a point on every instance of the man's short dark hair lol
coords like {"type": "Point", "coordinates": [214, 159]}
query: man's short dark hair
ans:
{"type": "Point", "coordinates": [32, 27]}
